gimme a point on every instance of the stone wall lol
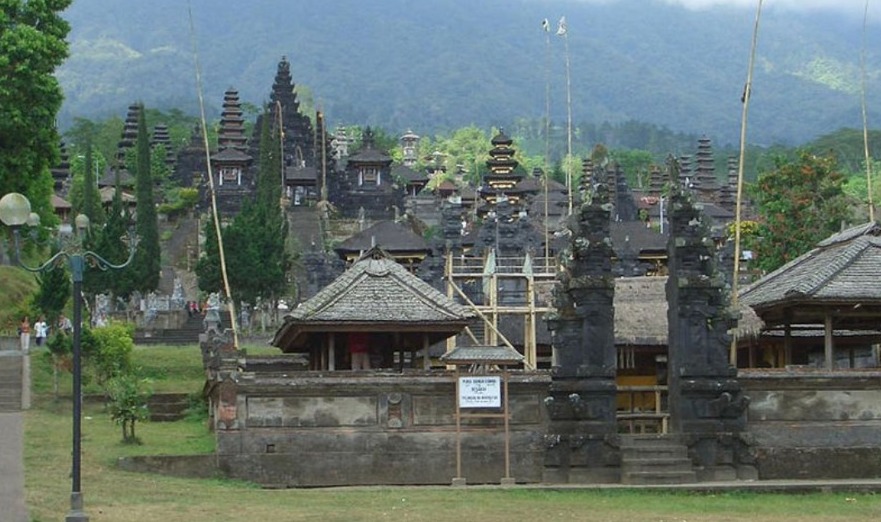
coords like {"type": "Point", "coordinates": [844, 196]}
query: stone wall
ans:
{"type": "Point", "coordinates": [314, 429]}
{"type": "Point", "coordinates": [809, 424]}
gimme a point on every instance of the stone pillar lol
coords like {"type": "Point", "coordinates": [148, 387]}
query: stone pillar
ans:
{"type": "Point", "coordinates": [707, 406]}
{"type": "Point", "coordinates": [581, 402]}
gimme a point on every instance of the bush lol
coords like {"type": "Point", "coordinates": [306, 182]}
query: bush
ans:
{"type": "Point", "coordinates": [108, 350]}
{"type": "Point", "coordinates": [127, 402]}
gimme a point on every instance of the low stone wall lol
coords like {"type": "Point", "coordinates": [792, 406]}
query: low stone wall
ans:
{"type": "Point", "coordinates": [186, 466]}
{"type": "Point", "coordinates": [815, 424]}
{"type": "Point", "coordinates": [344, 428]}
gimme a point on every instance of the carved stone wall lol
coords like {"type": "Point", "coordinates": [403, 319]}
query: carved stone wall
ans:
{"type": "Point", "coordinates": [582, 441]}
{"type": "Point", "coordinates": [707, 405]}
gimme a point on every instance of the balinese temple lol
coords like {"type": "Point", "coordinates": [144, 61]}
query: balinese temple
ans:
{"type": "Point", "coordinates": [116, 170]}
{"type": "Point", "coordinates": [230, 164]}
{"type": "Point", "coordinates": [161, 137]}
{"type": "Point", "coordinates": [398, 240]}
{"type": "Point", "coordinates": [366, 188]}
{"type": "Point", "coordinates": [704, 183]}
{"type": "Point", "coordinates": [409, 146]}
{"type": "Point", "coordinates": [61, 172]}
{"type": "Point", "coordinates": [503, 175]}
{"type": "Point", "coordinates": [377, 296]}
{"type": "Point", "coordinates": [190, 168]}
{"type": "Point", "coordinates": [414, 181]}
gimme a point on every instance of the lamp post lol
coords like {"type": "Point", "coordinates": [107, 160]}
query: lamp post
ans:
{"type": "Point", "coordinates": [15, 211]}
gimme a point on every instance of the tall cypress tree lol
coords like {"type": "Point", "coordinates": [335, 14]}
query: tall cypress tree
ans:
{"type": "Point", "coordinates": [91, 196]}
{"type": "Point", "coordinates": [146, 265]}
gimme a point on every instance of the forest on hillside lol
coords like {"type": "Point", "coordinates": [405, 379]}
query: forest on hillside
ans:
{"type": "Point", "coordinates": [437, 66]}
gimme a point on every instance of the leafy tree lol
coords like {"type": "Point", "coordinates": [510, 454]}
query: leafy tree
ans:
{"type": "Point", "coordinates": [636, 165]}
{"type": "Point", "coordinates": [146, 264]}
{"type": "Point", "coordinates": [127, 403]}
{"type": "Point", "coordinates": [800, 203]}
{"type": "Point", "coordinates": [32, 46]}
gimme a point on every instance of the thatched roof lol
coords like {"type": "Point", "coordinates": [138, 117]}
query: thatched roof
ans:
{"type": "Point", "coordinates": [641, 312]}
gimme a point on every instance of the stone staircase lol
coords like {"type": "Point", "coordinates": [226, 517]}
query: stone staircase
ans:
{"type": "Point", "coordinates": [11, 372]}
{"type": "Point", "coordinates": [655, 459]}
{"type": "Point", "coordinates": [168, 407]}
{"type": "Point", "coordinates": [187, 334]}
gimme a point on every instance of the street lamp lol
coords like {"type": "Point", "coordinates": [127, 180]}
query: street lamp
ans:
{"type": "Point", "coordinates": [15, 211]}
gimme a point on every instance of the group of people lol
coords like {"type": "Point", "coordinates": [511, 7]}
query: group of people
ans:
{"type": "Point", "coordinates": [40, 330]}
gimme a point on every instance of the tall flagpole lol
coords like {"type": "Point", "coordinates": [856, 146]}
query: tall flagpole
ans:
{"type": "Point", "coordinates": [563, 30]}
{"type": "Point", "coordinates": [547, 29]}
{"type": "Point", "coordinates": [865, 119]}
{"type": "Point", "coordinates": [747, 91]}
{"type": "Point", "coordinates": [214, 213]}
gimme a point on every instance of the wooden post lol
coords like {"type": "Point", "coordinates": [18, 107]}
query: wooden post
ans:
{"type": "Point", "coordinates": [331, 351]}
{"type": "Point", "coordinates": [458, 480]}
{"type": "Point", "coordinates": [828, 347]}
{"type": "Point", "coordinates": [507, 480]}
{"type": "Point", "coordinates": [426, 357]}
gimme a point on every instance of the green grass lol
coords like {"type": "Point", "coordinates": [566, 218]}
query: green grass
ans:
{"type": "Point", "coordinates": [16, 287]}
{"type": "Point", "coordinates": [118, 496]}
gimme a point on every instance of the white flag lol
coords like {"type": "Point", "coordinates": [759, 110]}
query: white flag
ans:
{"type": "Point", "coordinates": [546, 25]}
{"type": "Point", "coordinates": [561, 27]}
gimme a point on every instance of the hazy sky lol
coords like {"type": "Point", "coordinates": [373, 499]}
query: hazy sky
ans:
{"type": "Point", "coordinates": [850, 7]}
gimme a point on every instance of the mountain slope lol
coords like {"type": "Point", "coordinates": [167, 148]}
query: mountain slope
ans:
{"type": "Point", "coordinates": [437, 65]}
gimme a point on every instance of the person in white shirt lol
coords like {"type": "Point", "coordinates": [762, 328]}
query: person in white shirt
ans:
{"type": "Point", "coordinates": [41, 330]}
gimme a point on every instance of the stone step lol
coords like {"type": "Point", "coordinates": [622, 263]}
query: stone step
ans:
{"type": "Point", "coordinates": [656, 464]}
{"type": "Point", "coordinates": [669, 451]}
{"type": "Point", "coordinates": [658, 477]}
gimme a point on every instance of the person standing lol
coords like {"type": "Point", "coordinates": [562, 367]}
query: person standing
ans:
{"type": "Point", "coordinates": [359, 350]}
{"type": "Point", "coordinates": [24, 334]}
{"type": "Point", "coordinates": [41, 330]}
{"type": "Point", "coordinates": [64, 324]}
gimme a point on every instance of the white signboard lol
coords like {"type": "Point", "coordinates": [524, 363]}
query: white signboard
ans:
{"type": "Point", "coordinates": [480, 392]}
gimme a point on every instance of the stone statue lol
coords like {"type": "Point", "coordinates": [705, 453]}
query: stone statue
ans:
{"type": "Point", "coordinates": [212, 313]}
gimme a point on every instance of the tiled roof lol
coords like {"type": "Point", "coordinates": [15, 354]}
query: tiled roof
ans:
{"type": "Point", "coordinates": [845, 267]}
{"type": "Point", "coordinates": [231, 155]}
{"type": "Point", "coordinates": [479, 354]}
{"type": "Point", "coordinates": [640, 237]}
{"type": "Point", "coordinates": [388, 235]}
{"type": "Point", "coordinates": [409, 175]}
{"type": "Point", "coordinates": [376, 289]}
{"type": "Point", "coordinates": [300, 174]}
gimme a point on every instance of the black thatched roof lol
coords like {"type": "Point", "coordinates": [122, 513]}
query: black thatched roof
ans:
{"type": "Point", "coordinates": [390, 236]}
{"type": "Point", "coordinates": [844, 269]}
{"type": "Point", "coordinates": [301, 174]}
{"type": "Point", "coordinates": [375, 295]}
{"type": "Point", "coordinates": [231, 155]}
{"type": "Point", "coordinates": [409, 175]}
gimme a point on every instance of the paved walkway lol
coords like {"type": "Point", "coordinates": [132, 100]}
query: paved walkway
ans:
{"type": "Point", "coordinates": [12, 498]}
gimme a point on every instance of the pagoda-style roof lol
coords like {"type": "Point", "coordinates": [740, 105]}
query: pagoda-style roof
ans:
{"type": "Point", "coordinates": [300, 175]}
{"type": "Point", "coordinates": [393, 238]}
{"type": "Point", "coordinates": [230, 155]}
{"type": "Point", "coordinates": [409, 175]}
{"type": "Point", "coordinates": [109, 178]}
{"type": "Point", "coordinates": [370, 155]}
{"type": "Point", "coordinates": [375, 295]}
{"type": "Point", "coordinates": [841, 275]}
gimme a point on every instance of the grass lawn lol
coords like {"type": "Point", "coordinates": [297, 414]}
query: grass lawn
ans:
{"type": "Point", "coordinates": [113, 495]}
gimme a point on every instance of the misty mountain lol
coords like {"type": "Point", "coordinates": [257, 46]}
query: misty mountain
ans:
{"type": "Point", "coordinates": [434, 66]}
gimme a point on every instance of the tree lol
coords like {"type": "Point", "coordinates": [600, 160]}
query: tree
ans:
{"type": "Point", "coordinates": [32, 46]}
{"type": "Point", "coordinates": [53, 292]}
{"type": "Point", "coordinates": [91, 197]}
{"type": "Point", "coordinates": [127, 401]}
{"type": "Point", "coordinates": [800, 203]}
{"type": "Point", "coordinates": [208, 267]}
{"type": "Point", "coordinates": [109, 241]}
{"type": "Point", "coordinates": [145, 266]}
